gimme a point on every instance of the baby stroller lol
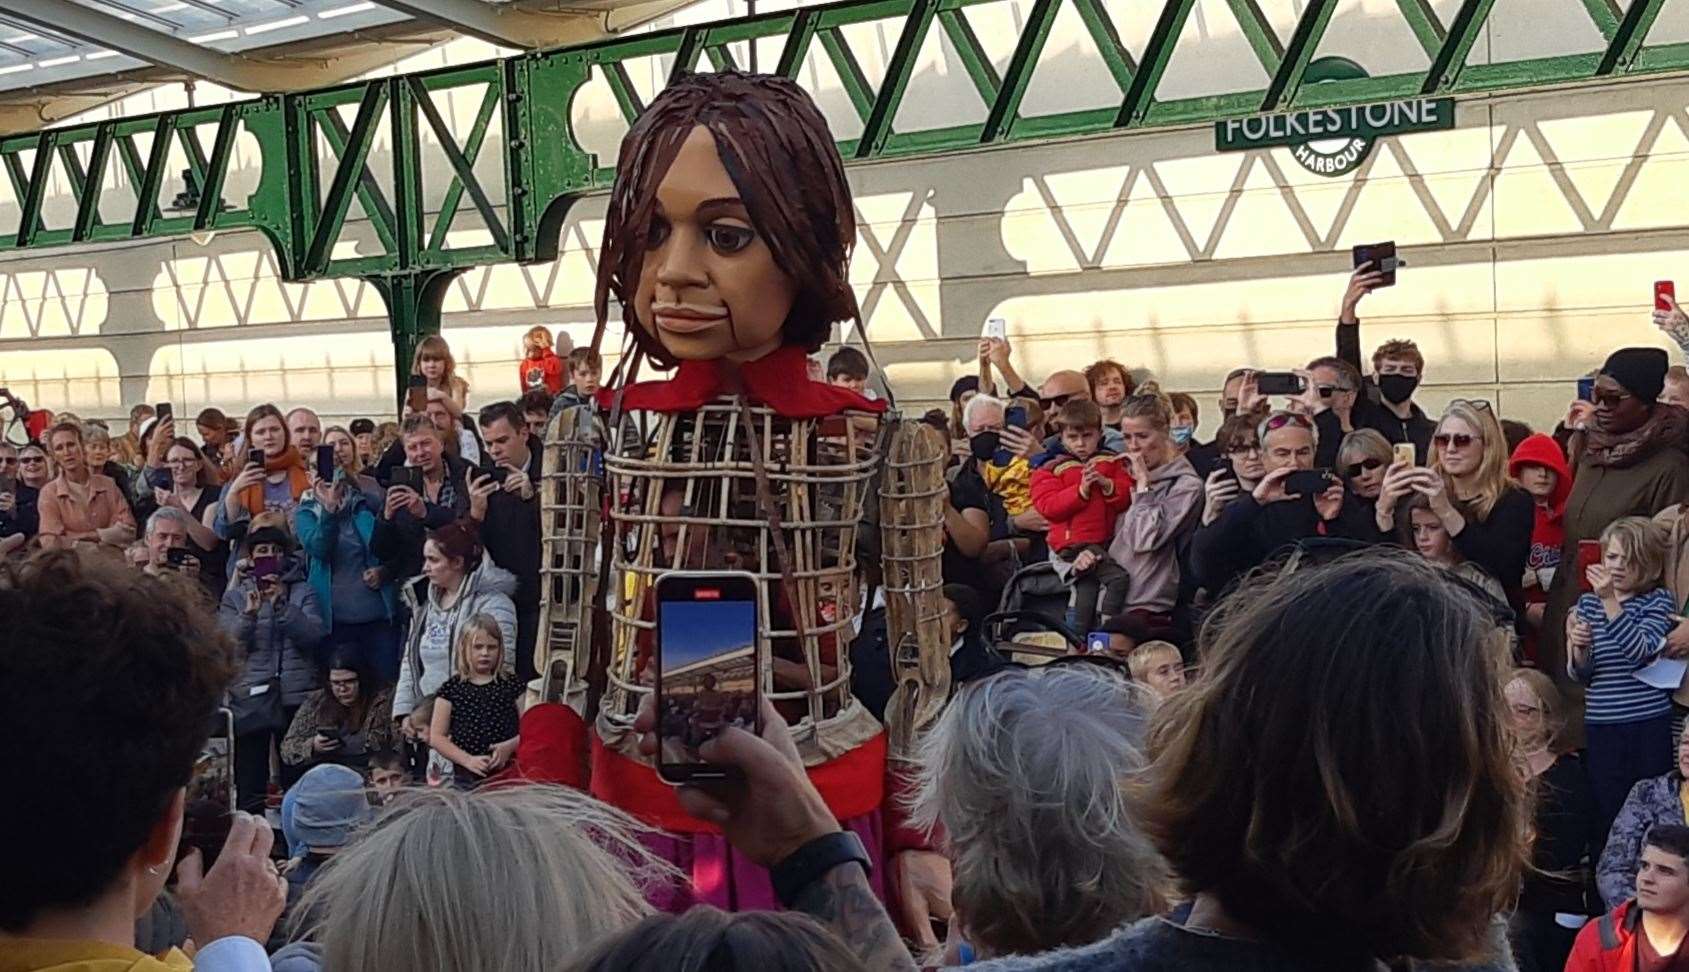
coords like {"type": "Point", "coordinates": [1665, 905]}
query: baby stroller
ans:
{"type": "Point", "coordinates": [1031, 617]}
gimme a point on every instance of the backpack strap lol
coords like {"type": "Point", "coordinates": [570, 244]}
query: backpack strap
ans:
{"type": "Point", "coordinates": [1605, 928]}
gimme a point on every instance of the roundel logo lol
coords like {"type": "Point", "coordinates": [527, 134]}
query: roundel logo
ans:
{"type": "Point", "coordinates": [1332, 156]}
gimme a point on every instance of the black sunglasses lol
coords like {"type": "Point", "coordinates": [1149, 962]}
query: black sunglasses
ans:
{"type": "Point", "coordinates": [1365, 465]}
{"type": "Point", "coordinates": [1459, 440]}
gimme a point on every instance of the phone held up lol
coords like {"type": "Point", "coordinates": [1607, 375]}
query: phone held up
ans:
{"type": "Point", "coordinates": [1586, 389]}
{"type": "Point", "coordinates": [1308, 482]}
{"type": "Point", "coordinates": [163, 412]}
{"type": "Point", "coordinates": [996, 328]}
{"type": "Point", "coordinates": [708, 666]}
{"type": "Point", "coordinates": [325, 463]}
{"type": "Point", "coordinates": [1280, 383]}
{"type": "Point", "coordinates": [1665, 295]}
{"type": "Point", "coordinates": [1404, 454]}
{"type": "Point", "coordinates": [1383, 258]}
{"type": "Point", "coordinates": [210, 803]}
{"type": "Point", "coordinates": [416, 393]}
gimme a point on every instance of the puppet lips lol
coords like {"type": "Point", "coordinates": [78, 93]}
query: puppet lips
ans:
{"type": "Point", "coordinates": [686, 319]}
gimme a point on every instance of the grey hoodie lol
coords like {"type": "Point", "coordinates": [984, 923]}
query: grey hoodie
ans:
{"type": "Point", "coordinates": [487, 589]}
{"type": "Point", "coordinates": [1148, 534]}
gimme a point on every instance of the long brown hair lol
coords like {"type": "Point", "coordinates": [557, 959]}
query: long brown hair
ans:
{"type": "Point", "coordinates": [1341, 776]}
{"type": "Point", "coordinates": [777, 149]}
{"type": "Point", "coordinates": [1493, 480]}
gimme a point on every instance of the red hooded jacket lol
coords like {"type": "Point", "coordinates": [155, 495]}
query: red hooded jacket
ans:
{"type": "Point", "coordinates": [1075, 520]}
{"type": "Point", "coordinates": [1549, 531]}
{"type": "Point", "coordinates": [548, 368]}
{"type": "Point", "coordinates": [1609, 943]}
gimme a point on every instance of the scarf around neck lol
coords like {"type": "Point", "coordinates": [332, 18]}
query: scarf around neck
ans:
{"type": "Point", "coordinates": [252, 497]}
{"type": "Point", "coordinates": [1667, 428]}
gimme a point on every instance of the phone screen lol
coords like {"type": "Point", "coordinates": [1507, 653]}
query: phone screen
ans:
{"type": "Point", "coordinates": [210, 801]}
{"type": "Point", "coordinates": [707, 670]}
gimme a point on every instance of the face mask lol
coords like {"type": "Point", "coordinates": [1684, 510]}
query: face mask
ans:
{"type": "Point", "coordinates": [1397, 389]}
{"type": "Point", "coordinates": [984, 445]}
{"type": "Point", "coordinates": [1182, 434]}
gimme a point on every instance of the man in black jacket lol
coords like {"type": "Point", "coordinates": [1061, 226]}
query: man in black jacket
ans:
{"type": "Point", "coordinates": [506, 503]}
{"type": "Point", "coordinates": [1397, 369]}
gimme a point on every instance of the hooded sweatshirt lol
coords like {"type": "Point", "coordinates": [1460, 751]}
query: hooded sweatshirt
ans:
{"type": "Point", "coordinates": [231, 954]}
{"type": "Point", "coordinates": [1548, 533]}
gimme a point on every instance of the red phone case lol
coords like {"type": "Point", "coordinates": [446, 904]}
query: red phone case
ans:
{"type": "Point", "coordinates": [1589, 554]}
{"type": "Point", "coordinates": [1665, 294]}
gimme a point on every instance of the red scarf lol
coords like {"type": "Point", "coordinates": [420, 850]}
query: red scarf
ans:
{"type": "Point", "coordinates": [779, 380]}
{"type": "Point", "coordinates": [252, 497]}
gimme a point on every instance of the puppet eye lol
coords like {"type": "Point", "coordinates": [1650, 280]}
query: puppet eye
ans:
{"type": "Point", "coordinates": [727, 238]}
{"type": "Point", "coordinates": [657, 234]}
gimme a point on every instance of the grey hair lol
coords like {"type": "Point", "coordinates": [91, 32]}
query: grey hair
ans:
{"type": "Point", "coordinates": [164, 513]}
{"type": "Point", "coordinates": [516, 878]}
{"type": "Point", "coordinates": [978, 402]}
{"type": "Point", "coordinates": [1024, 774]}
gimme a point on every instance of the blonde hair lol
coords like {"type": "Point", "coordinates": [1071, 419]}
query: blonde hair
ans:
{"type": "Point", "coordinates": [477, 624]}
{"type": "Point", "coordinates": [515, 878]}
{"type": "Point", "coordinates": [1493, 480]}
{"type": "Point", "coordinates": [1364, 444]}
{"type": "Point", "coordinates": [1138, 660]}
{"type": "Point", "coordinates": [1643, 543]}
{"type": "Point", "coordinates": [1553, 703]}
{"type": "Point", "coordinates": [537, 331]}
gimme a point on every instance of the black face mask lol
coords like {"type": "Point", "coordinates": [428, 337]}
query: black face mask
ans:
{"type": "Point", "coordinates": [1397, 389]}
{"type": "Point", "coordinates": [984, 444]}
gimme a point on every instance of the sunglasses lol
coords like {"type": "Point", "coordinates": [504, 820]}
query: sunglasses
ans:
{"type": "Point", "coordinates": [1609, 398]}
{"type": "Point", "coordinates": [1481, 404]}
{"type": "Point", "coordinates": [1365, 465]}
{"type": "Point", "coordinates": [31, 460]}
{"type": "Point", "coordinates": [1055, 401]}
{"type": "Point", "coordinates": [1279, 420]}
{"type": "Point", "coordinates": [1459, 440]}
{"type": "Point", "coordinates": [1243, 448]}
{"type": "Point", "coordinates": [1326, 391]}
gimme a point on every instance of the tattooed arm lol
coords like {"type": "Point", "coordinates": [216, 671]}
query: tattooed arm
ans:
{"type": "Point", "coordinates": [842, 900]}
{"type": "Point", "coordinates": [774, 810]}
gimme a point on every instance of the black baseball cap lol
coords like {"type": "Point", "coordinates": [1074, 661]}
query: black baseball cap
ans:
{"type": "Point", "coordinates": [363, 426]}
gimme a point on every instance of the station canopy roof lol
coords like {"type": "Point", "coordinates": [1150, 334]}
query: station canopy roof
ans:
{"type": "Point", "coordinates": [62, 57]}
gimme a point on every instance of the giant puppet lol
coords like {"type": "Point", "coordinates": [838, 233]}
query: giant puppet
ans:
{"type": "Point", "coordinates": [726, 245]}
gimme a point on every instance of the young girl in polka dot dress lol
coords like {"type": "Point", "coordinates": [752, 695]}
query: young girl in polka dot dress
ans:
{"type": "Point", "coordinates": [477, 711]}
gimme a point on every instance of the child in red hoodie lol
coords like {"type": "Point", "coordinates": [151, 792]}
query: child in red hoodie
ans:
{"type": "Point", "coordinates": [540, 366]}
{"type": "Point", "coordinates": [1081, 491]}
{"type": "Point", "coordinates": [1540, 467]}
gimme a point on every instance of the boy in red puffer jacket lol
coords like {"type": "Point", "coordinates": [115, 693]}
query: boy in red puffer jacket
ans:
{"type": "Point", "coordinates": [1540, 467]}
{"type": "Point", "coordinates": [1081, 490]}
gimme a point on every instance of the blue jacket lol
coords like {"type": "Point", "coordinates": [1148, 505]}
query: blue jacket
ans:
{"type": "Point", "coordinates": [318, 529]}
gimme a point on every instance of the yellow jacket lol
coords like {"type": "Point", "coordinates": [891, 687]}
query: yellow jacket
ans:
{"type": "Point", "coordinates": [1012, 482]}
{"type": "Point", "coordinates": [50, 955]}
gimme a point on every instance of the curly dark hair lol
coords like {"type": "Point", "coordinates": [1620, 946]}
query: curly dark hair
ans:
{"type": "Point", "coordinates": [114, 678]}
{"type": "Point", "coordinates": [777, 149]}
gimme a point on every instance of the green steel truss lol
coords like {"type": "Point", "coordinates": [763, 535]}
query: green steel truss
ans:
{"type": "Point", "coordinates": [315, 148]}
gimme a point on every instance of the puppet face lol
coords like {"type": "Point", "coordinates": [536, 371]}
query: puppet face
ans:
{"type": "Point", "coordinates": [709, 287]}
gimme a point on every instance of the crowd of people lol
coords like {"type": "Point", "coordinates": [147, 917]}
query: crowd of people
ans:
{"type": "Point", "coordinates": [1348, 682]}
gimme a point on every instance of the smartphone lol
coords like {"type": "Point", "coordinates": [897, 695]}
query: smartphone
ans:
{"type": "Point", "coordinates": [7, 484]}
{"type": "Point", "coordinates": [1308, 482]}
{"type": "Point", "coordinates": [1383, 258]}
{"type": "Point", "coordinates": [996, 327]}
{"type": "Point", "coordinates": [325, 463]}
{"type": "Point", "coordinates": [406, 476]}
{"type": "Point", "coordinates": [255, 457]}
{"type": "Point", "coordinates": [1096, 642]}
{"type": "Point", "coordinates": [163, 411]}
{"type": "Point", "coordinates": [1405, 454]}
{"type": "Point", "coordinates": [1226, 469]}
{"type": "Point", "coordinates": [1280, 383]}
{"type": "Point", "coordinates": [499, 473]}
{"type": "Point", "coordinates": [416, 393]}
{"type": "Point", "coordinates": [210, 799]}
{"type": "Point", "coordinates": [331, 732]}
{"type": "Point", "coordinates": [709, 670]}
{"type": "Point", "coordinates": [1589, 554]}
{"type": "Point", "coordinates": [1014, 416]}
{"type": "Point", "coordinates": [1586, 389]}
{"type": "Point", "coordinates": [266, 568]}
{"type": "Point", "coordinates": [177, 556]}
{"type": "Point", "coordinates": [1665, 294]}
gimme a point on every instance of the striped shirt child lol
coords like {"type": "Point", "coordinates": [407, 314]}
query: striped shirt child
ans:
{"type": "Point", "coordinates": [1621, 647]}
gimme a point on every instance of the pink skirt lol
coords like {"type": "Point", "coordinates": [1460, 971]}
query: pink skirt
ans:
{"type": "Point", "coordinates": [722, 877]}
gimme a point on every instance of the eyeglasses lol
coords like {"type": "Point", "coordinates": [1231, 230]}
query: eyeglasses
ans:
{"type": "Point", "coordinates": [1243, 448]}
{"type": "Point", "coordinates": [1459, 440]}
{"type": "Point", "coordinates": [1365, 465]}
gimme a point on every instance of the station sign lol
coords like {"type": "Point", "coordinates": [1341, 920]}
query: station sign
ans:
{"type": "Point", "coordinates": [1333, 141]}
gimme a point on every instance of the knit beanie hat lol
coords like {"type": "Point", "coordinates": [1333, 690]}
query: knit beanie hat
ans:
{"type": "Point", "coordinates": [328, 804]}
{"type": "Point", "coordinates": [1640, 371]}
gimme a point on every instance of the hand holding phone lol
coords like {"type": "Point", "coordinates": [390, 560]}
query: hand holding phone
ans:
{"type": "Point", "coordinates": [1383, 258]}
{"type": "Point", "coordinates": [416, 394]}
{"type": "Point", "coordinates": [996, 328]}
{"type": "Point", "coordinates": [1404, 454]}
{"type": "Point", "coordinates": [325, 463]}
{"type": "Point", "coordinates": [708, 668]}
{"type": "Point", "coordinates": [1280, 383]}
{"type": "Point", "coordinates": [1665, 295]}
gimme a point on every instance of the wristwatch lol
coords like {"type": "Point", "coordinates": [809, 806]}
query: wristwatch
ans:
{"type": "Point", "coordinates": [808, 863]}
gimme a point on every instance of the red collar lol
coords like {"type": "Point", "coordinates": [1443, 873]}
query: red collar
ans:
{"type": "Point", "coordinates": [779, 380]}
